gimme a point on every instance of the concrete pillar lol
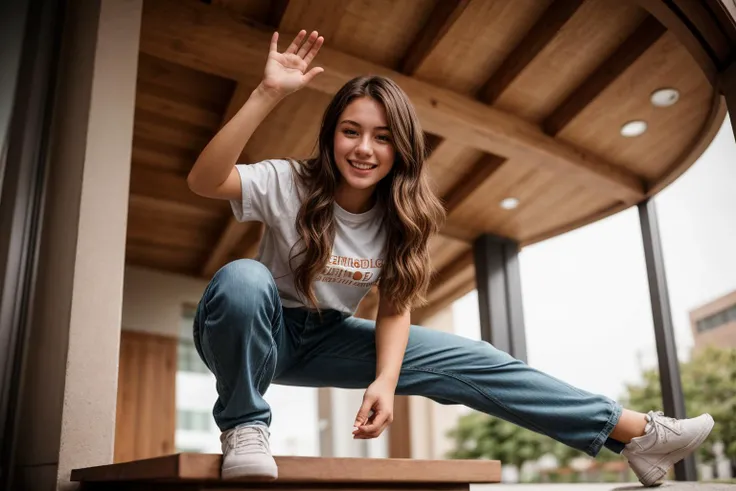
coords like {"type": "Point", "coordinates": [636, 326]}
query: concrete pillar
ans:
{"type": "Point", "coordinates": [70, 381]}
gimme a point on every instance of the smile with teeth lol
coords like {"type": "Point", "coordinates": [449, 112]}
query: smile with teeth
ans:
{"type": "Point", "coordinates": [361, 166]}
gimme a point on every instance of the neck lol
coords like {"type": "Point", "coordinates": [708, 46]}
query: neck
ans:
{"type": "Point", "coordinates": [354, 200]}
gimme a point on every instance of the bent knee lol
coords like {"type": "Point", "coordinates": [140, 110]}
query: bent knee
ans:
{"type": "Point", "coordinates": [244, 275]}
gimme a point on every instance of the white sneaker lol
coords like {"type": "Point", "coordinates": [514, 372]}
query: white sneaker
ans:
{"type": "Point", "coordinates": [246, 453]}
{"type": "Point", "coordinates": [665, 442]}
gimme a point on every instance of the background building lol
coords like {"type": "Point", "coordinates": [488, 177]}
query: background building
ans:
{"type": "Point", "coordinates": [714, 324]}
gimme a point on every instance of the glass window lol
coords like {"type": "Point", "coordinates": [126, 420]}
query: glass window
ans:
{"type": "Point", "coordinates": [717, 320]}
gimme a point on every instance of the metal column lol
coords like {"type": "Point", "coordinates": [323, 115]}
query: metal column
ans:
{"type": "Point", "coordinates": [499, 294]}
{"type": "Point", "coordinates": [669, 369]}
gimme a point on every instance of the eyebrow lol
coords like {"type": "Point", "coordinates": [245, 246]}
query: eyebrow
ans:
{"type": "Point", "coordinates": [349, 121]}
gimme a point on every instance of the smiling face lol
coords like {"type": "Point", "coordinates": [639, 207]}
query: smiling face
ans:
{"type": "Point", "coordinates": [364, 149]}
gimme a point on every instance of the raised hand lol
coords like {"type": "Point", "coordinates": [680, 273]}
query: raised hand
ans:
{"type": "Point", "coordinates": [287, 72]}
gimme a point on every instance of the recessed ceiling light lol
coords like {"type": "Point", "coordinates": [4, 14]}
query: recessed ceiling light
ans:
{"type": "Point", "coordinates": [509, 203]}
{"type": "Point", "coordinates": [665, 97]}
{"type": "Point", "coordinates": [634, 128]}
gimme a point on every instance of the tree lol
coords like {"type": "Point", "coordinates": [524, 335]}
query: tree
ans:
{"type": "Point", "coordinates": [709, 385]}
{"type": "Point", "coordinates": [479, 436]}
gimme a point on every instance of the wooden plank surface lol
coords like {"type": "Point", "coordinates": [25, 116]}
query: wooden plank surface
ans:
{"type": "Point", "coordinates": [255, 486]}
{"type": "Point", "coordinates": [206, 467]}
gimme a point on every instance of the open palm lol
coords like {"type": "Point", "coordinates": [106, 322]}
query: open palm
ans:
{"type": "Point", "coordinates": [287, 72]}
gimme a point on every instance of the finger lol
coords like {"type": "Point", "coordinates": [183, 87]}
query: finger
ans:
{"type": "Point", "coordinates": [294, 46]}
{"type": "Point", "coordinates": [364, 410]}
{"type": "Point", "coordinates": [312, 73]}
{"type": "Point", "coordinates": [274, 42]}
{"type": "Point", "coordinates": [307, 46]}
{"type": "Point", "coordinates": [315, 49]}
{"type": "Point", "coordinates": [376, 426]}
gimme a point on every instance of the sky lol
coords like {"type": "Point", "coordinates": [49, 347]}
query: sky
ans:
{"type": "Point", "coordinates": [586, 299]}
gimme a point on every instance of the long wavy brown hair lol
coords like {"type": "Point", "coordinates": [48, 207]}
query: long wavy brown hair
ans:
{"type": "Point", "coordinates": [412, 212]}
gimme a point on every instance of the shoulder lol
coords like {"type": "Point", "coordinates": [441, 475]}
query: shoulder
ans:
{"type": "Point", "coordinates": [274, 166]}
{"type": "Point", "coordinates": [279, 171]}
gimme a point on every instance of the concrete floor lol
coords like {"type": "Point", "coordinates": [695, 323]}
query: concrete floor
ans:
{"type": "Point", "coordinates": [667, 486]}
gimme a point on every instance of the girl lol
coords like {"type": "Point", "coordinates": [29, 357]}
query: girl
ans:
{"type": "Point", "coordinates": [357, 214]}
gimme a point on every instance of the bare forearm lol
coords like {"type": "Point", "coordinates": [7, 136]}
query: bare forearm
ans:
{"type": "Point", "coordinates": [216, 161]}
{"type": "Point", "coordinates": [392, 336]}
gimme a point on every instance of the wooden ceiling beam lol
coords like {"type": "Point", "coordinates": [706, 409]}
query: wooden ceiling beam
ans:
{"type": "Point", "coordinates": [323, 16]}
{"type": "Point", "coordinates": [460, 263]}
{"type": "Point", "coordinates": [708, 24]}
{"type": "Point", "coordinates": [159, 205]}
{"type": "Point", "coordinates": [443, 151]}
{"type": "Point", "coordinates": [421, 314]}
{"type": "Point", "coordinates": [155, 99]}
{"type": "Point", "coordinates": [544, 30]}
{"type": "Point", "coordinates": [157, 154]}
{"type": "Point", "coordinates": [276, 11]}
{"type": "Point", "coordinates": [442, 18]}
{"type": "Point", "coordinates": [208, 39]}
{"type": "Point", "coordinates": [648, 32]}
{"type": "Point", "coordinates": [692, 41]}
{"type": "Point", "coordinates": [725, 13]}
{"type": "Point", "coordinates": [167, 186]}
{"type": "Point", "coordinates": [481, 171]}
{"type": "Point", "coordinates": [458, 266]}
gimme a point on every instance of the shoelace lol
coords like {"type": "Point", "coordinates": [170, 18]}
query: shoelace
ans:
{"type": "Point", "coordinates": [662, 423]}
{"type": "Point", "coordinates": [252, 438]}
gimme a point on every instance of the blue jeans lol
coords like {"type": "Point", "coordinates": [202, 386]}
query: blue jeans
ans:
{"type": "Point", "coordinates": [249, 340]}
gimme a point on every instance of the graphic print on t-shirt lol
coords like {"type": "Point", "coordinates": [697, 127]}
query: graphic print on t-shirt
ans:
{"type": "Point", "coordinates": [351, 271]}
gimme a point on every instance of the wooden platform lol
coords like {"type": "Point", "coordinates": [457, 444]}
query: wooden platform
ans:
{"type": "Point", "coordinates": [202, 471]}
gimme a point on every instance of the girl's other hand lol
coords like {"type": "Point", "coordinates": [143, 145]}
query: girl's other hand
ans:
{"type": "Point", "coordinates": [287, 72]}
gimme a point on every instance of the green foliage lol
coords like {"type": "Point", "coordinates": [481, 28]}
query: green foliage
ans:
{"type": "Point", "coordinates": [478, 436]}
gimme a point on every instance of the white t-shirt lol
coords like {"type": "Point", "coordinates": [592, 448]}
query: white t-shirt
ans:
{"type": "Point", "coordinates": [270, 196]}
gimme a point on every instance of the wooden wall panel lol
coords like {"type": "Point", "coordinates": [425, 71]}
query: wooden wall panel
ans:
{"type": "Point", "coordinates": [146, 408]}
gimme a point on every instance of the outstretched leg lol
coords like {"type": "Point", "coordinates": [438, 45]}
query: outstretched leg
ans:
{"type": "Point", "coordinates": [451, 369]}
{"type": "Point", "coordinates": [454, 370]}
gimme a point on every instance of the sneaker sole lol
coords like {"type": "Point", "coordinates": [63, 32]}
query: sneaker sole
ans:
{"type": "Point", "coordinates": [251, 472]}
{"type": "Point", "coordinates": [651, 477]}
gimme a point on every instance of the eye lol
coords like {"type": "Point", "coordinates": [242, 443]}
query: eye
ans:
{"type": "Point", "coordinates": [349, 132]}
{"type": "Point", "coordinates": [385, 138]}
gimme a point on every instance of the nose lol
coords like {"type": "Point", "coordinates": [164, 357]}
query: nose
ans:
{"type": "Point", "coordinates": [365, 146]}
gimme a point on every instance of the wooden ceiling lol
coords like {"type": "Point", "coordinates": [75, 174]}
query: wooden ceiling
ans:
{"type": "Point", "coordinates": [519, 99]}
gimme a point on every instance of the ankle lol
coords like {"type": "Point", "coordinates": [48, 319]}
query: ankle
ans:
{"type": "Point", "coordinates": [630, 425]}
